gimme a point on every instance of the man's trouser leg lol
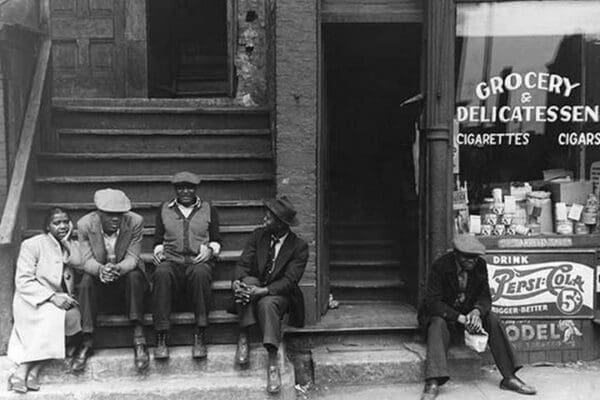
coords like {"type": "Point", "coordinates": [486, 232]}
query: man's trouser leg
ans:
{"type": "Point", "coordinates": [438, 339]}
{"type": "Point", "coordinates": [246, 313]}
{"type": "Point", "coordinates": [500, 346]}
{"type": "Point", "coordinates": [87, 295]}
{"type": "Point", "coordinates": [136, 286]}
{"type": "Point", "coordinates": [270, 310]}
{"type": "Point", "coordinates": [198, 278]}
{"type": "Point", "coordinates": [165, 284]}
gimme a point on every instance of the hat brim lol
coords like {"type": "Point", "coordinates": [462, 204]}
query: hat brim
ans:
{"type": "Point", "coordinates": [293, 222]}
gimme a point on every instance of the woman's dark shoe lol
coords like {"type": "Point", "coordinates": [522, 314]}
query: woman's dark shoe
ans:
{"type": "Point", "coordinates": [33, 382]}
{"type": "Point", "coordinates": [16, 384]}
{"type": "Point", "coordinates": [431, 390]}
{"type": "Point", "coordinates": [517, 385]}
{"type": "Point", "coordinates": [80, 358]}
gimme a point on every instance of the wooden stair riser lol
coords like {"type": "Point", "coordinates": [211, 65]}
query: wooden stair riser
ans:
{"type": "Point", "coordinates": [366, 273]}
{"type": "Point", "coordinates": [184, 143]}
{"type": "Point", "coordinates": [159, 119]}
{"type": "Point", "coordinates": [221, 300]}
{"type": "Point", "coordinates": [78, 167]}
{"type": "Point", "coordinates": [242, 215]}
{"type": "Point", "coordinates": [179, 335]}
{"type": "Point", "coordinates": [362, 253]}
{"type": "Point", "coordinates": [362, 294]}
{"type": "Point", "coordinates": [154, 191]}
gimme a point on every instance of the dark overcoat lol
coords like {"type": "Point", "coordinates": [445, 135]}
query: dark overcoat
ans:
{"type": "Point", "coordinates": [289, 267]}
{"type": "Point", "coordinates": [442, 291]}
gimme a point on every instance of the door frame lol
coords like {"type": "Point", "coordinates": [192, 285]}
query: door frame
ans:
{"type": "Point", "coordinates": [335, 12]}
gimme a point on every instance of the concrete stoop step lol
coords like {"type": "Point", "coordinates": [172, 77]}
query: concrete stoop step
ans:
{"type": "Point", "coordinates": [110, 374]}
{"type": "Point", "coordinates": [344, 365]}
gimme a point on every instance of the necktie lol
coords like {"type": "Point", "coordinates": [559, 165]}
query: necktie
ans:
{"type": "Point", "coordinates": [270, 265]}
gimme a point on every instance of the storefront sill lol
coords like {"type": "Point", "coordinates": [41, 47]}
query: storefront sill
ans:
{"type": "Point", "coordinates": [548, 241]}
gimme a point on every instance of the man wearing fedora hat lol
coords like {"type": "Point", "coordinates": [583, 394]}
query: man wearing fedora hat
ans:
{"type": "Point", "coordinates": [186, 242]}
{"type": "Point", "coordinates": [458, 298]}
{"type": "Point", "coordinates": [265, 284]}
{"type": "Point", "coordinates": [111, 242]}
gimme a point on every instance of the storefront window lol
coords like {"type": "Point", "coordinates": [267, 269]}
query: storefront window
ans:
{"type": "Point", "coordinates": [527, 137]}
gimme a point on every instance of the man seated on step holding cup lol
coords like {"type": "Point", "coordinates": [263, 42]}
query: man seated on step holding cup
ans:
{"type": "Point", "coordinates": [110, 239]}
{"type": "Point", "coordinates": [265, 284]}
{"type": "Point", "coordinates": [458, 298]}
{"type": "Point", "coordinates": [187, 240]}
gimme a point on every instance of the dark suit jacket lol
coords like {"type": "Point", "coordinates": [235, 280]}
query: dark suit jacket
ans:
{"type": "Point", "coordinates": [127, 248]}
{"type": "Point", "coordinates": [442, 291]}
{"type": "Point", "coordinates": [289, 267]}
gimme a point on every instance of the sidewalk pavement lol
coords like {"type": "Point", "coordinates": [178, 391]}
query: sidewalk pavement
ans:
{"type": "Point", "coordinates": [573, 381]}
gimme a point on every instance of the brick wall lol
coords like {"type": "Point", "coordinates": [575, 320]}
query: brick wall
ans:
{"type": "Point", "coordinates": [296, 123]}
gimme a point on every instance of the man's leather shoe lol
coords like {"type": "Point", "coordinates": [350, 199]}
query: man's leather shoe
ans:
{"type": "Point", "coordinates": [141, 357]}
{"type": "Point", "coordinates": [242, 352]}
{"type": "Point", "coordinates": [273, 379]}
{"type": "Point", "coordinates": [161, 351]}
{"type": "Point", "coordinates": [430, 391]}
{"type": "Point", "coordinates": [80, 358]}
{"type": "Point", "coordinates": [517, 385]}
{"type": "Point", "coordinates": [199, 346]}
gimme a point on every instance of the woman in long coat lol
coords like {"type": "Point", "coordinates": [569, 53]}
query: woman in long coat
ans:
{"type": "Point", "coordinates": [44, 307]}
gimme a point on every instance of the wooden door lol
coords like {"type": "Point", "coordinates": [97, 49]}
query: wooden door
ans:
{"type": "Point", "coordinates": [89, 52]}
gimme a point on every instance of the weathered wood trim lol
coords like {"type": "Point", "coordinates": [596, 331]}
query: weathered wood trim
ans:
{"type": "Point", "coordinates": [372, 11]}
{"type": "Point", "coordinates": [438, 90]}
{"type": "Point", "coordinates": [28, 131]}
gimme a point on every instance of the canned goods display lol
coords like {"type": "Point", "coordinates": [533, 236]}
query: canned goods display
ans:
{"type": "Point", "coordinates": [581, 228]}
{"type": "Point", "coordinates": [499, 230]}
{"type": "Point", "coordinates": [486, 230]}
{"type": "Point", "coordinates": [490, 219]}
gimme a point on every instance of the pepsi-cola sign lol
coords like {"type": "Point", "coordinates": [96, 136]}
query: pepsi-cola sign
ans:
{"type": "Point", "coordinates": [542, 285]}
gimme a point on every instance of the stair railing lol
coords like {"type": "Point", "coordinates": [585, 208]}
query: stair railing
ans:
{"type": "Point", "coordinates": [14, 210]}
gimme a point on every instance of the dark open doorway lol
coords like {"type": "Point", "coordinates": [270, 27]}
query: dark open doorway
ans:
{"type": "Point", "coordinates": [189, 48]}
{"type": "Point", "coordinates": [371, 200]}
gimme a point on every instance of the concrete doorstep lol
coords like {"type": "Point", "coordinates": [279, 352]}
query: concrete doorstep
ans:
{"type": "Point", "coordinates": [347, 365]}
{"type": "Point", "coordinates": [110, 374]}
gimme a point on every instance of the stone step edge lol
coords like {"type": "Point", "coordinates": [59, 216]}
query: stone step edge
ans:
{"type": "Point", "coordinates": [151, 230]}
{"type": "Point", "coordinates": [169, 387]}
{"type": "Point", "coordinates": [114, 363]}
{"type": "Point", "coordinates": [386, 364]}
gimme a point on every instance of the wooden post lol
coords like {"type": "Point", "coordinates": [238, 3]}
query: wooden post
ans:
{"type": "Point", "coordinates": [438, 88]}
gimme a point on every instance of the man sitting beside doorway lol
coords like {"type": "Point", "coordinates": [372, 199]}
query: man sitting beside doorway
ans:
{"type": "Point", "coordinates": [265, 285]}
{"type": "Point", "coordinates": [457, 298]}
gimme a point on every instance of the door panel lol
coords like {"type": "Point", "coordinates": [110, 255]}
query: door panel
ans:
{"type": "Point", "coordinates": [89, 51]}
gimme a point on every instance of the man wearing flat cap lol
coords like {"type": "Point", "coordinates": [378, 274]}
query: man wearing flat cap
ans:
{"type": "Point", "coordinates": [457, 299]}
{"type": "Point", "coordinates": [186, 242]}
{"type": "Point", "coordinates": [111, 239]}
{"type": "Point", "coordinates": [265, 284]}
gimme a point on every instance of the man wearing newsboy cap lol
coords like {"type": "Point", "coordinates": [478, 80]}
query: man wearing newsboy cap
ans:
{"type": "Point", "coordinates": [110, 239]}
{"type": "Point", "coordinates": [265, 284]}
{"type": "Point", "coordinates": [186, 242]}
{"type": "Point", "coordinates": [458, 298]}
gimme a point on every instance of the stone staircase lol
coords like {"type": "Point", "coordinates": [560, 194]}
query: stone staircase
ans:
{"type": "Point", "coordinates": [136, 145]}
{"type": "Point", "coordinates": [110, 374]}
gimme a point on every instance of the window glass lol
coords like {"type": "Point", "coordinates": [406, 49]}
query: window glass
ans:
{"type": "Point", "coordinates": [528, 115]}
